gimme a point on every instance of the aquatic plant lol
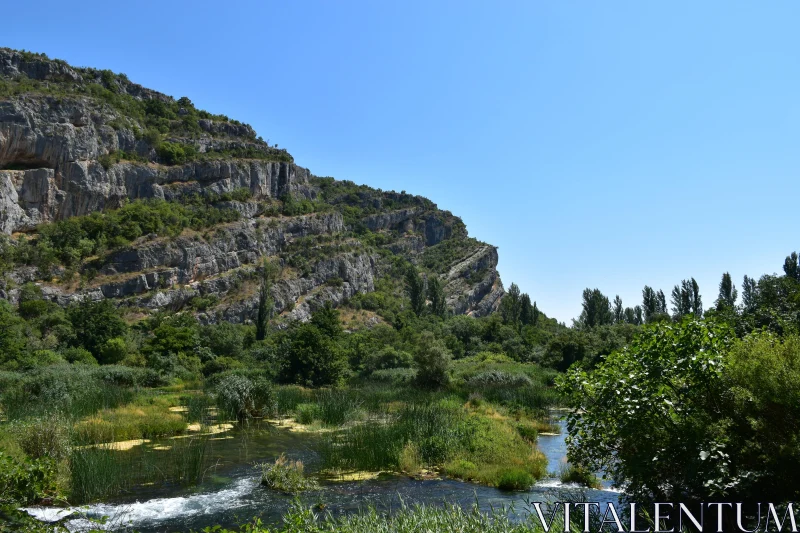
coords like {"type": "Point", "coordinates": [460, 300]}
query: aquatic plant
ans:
{"type": "Point", "coordinates": [336, 406]}
{"type": "Point", "coordinates": [570, 473]}
{"type": "Point", "coordinates": [126, 423]}
{"type": "Point", "coordinates": [286, 475]}
{"type": "Point", "coordinates": [98, 472]}
{"type": "Point", "coordinates": [406, 519]}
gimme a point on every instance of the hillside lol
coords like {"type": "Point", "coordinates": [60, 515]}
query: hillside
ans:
{"type": "Point", "coordinates": [112, 190]}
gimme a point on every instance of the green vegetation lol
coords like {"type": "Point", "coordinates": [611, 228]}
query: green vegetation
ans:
{"type": "Point", "coordinates": [286, 475]}
{"type": "Point", "coordinates": [151, 118]}
{"type": "Point", "coordinates": [575, 474]}
{"type": "Point", "coordinates": [69, 242]}
{"type": "Point", "coordinates": [407, 519]}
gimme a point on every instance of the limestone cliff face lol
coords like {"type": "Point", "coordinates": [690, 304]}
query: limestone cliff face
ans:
{"type": "Point", "coordinates": [72, 143]}
{"type": "Point", "coordinates": [68, 137]}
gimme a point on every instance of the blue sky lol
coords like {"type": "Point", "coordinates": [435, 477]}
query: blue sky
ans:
{"type": "Point", "coordinates": [598, 144]}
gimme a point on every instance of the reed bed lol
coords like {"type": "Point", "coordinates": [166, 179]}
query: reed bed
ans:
{"type": "Point", "coordinates": [103, 471]}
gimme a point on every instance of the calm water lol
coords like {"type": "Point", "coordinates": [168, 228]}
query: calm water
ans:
{"type": "Point", "coordinates": [230, 493]}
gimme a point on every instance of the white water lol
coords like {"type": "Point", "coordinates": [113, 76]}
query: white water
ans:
{"type": "Point", "coordinates": [148, 512]}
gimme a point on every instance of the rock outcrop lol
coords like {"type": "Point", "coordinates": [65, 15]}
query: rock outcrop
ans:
{"type": "Point", "coordinates": [74, 141]}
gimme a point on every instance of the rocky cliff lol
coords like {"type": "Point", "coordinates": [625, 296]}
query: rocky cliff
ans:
{"type": "Point", "coordinates": [80, 141]}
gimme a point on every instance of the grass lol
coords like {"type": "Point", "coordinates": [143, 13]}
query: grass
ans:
{"type": "Point", "coordinates": [406, 519]}
{"type": "Point", "coordinates": [286, 475]}
{"type": "Point", "coordinates": [467, 445]}
{"type": "Point", "coordinates": [575, 474]}
{"type": "Point", "coordinates": [128, 422]}
{"type": "Point", "coordinates": [100, 472]}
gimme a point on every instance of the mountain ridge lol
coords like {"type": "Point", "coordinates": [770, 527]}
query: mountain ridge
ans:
{"type": "Point", "coordinates": [82, 147]}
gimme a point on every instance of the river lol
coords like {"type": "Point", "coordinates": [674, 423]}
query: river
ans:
{"type": "Point", "coordinates": [230, 493]}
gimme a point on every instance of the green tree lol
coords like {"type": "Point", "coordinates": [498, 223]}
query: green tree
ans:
{"type": "Point", "coordinates": [629, 315]}
{"type": "Point", "coordinates": [650, 304]}
{"type": "Point", "coordinates": [266, 304]}
{"type": "Point", "coordinates": [686, 299]}
{"type": "Point", "coordinates": [638, 315]}
{"type": "Point", "coordinates": [432, 361]}
{"type": "Point", "coordinates": [438, 305]}
{"type": "Point", "coordinates": [619, 311]}
{"type": "Point", "coordinates": [661, 303]}
{"type": "Point", "coordinates": [791, 268]}
{"type": "Point", "coordinates": [749, 294]}
{"type": "Point", "coordinates": [415, 289]}
{"type": "Point", "coordinates": [510, 305]}
{"type": "Point", "coordinates": [651, 416]}
{"type": "Point", "coordinates": [727, 293]}
{"type": "Point", "coordinates": [525, 310]}
{"type": "Point", "coordinates": [94, 323]}
{"type": "Point", "coordinates": [310, 357]}
{"type": "Point", "coordinates": [12, 339]}
{"type": "Point", "coordinates": [596, 309]}
{"type": "Point", "coordinates": [326, 318]}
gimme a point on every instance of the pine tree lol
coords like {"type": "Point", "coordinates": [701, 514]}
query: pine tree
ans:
{"type": "Point", "coordinates": [535, 314]}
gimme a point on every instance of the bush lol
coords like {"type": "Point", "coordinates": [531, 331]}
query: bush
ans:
{"type": "Point", "coordinates": [515, 479]}
{"type": "Point", "coordinates": [498, 378]}
{"type": "Point", "coordinates": [286, 476]}
{"type": "Point", "coordinates": [46, 437]}
{"type": "Point", "coordinates": [432, 360]}
{"type": "Point", "coordinates": [77, 355]}
{"type": "Point", "coordinates": [26, 482]}
{"type": "Point", "coordinates": [240, 398]}
{"type": "Point", "coordinates": [395, 376]}
{"type": "Point", "coordinates": [575, 474]}
{"type": "Point", "coordinates": [306, 413]}
{"type": "Point", "coordinates": [388, 357]}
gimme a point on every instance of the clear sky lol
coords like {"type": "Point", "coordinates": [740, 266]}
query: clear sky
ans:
{"type": "Point", "coordinates": [598, 144]}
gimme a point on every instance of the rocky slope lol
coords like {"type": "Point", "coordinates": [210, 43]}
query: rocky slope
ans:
{"type": "Point", "coordinates": [75, 141]}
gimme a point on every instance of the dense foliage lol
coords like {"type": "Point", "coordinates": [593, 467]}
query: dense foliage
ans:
{"type": "Point", "coordinates": [697, 408]}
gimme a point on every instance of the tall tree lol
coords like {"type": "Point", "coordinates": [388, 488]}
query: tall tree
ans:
{"type": "Point", "coordinates": [791, 267]}
{"type": "Point", "coordinates": [438, 305]}
{"type": "Point", "coordinates": [686, 299]}
{"type": "Point", "coordinates": [266, 304]}
{"type": "Point", "coordinates": [415, 288]}
{"type": "Point", "coordinates": [596, 309]}
{"type": "Point", "coordinates": [510, 305]}
{"type": "Point", "coordinates": [650, 303]}
{"type": "Point", "coordinates": [525, 310]}
{"type": "Point", "coordinates": [661, 302]}
{"type": "Point", "coordinates": [638, 314]}
{"type": "Point", "coordinates": [535, 314]}
{"type": "Point", "coordinates": [727, 293]}
{"type": "Point", "coordinates": [628, 316]}
{"type": "Point", "coordinates": [696, 301]}
{"type": "Point", "coordinates": [749, 293]}
{"type": "Point", "coordinates": [619, 312]}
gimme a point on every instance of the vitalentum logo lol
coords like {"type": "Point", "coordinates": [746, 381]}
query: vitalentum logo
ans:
{"type": "Point", "coordinates": [706, 517]}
